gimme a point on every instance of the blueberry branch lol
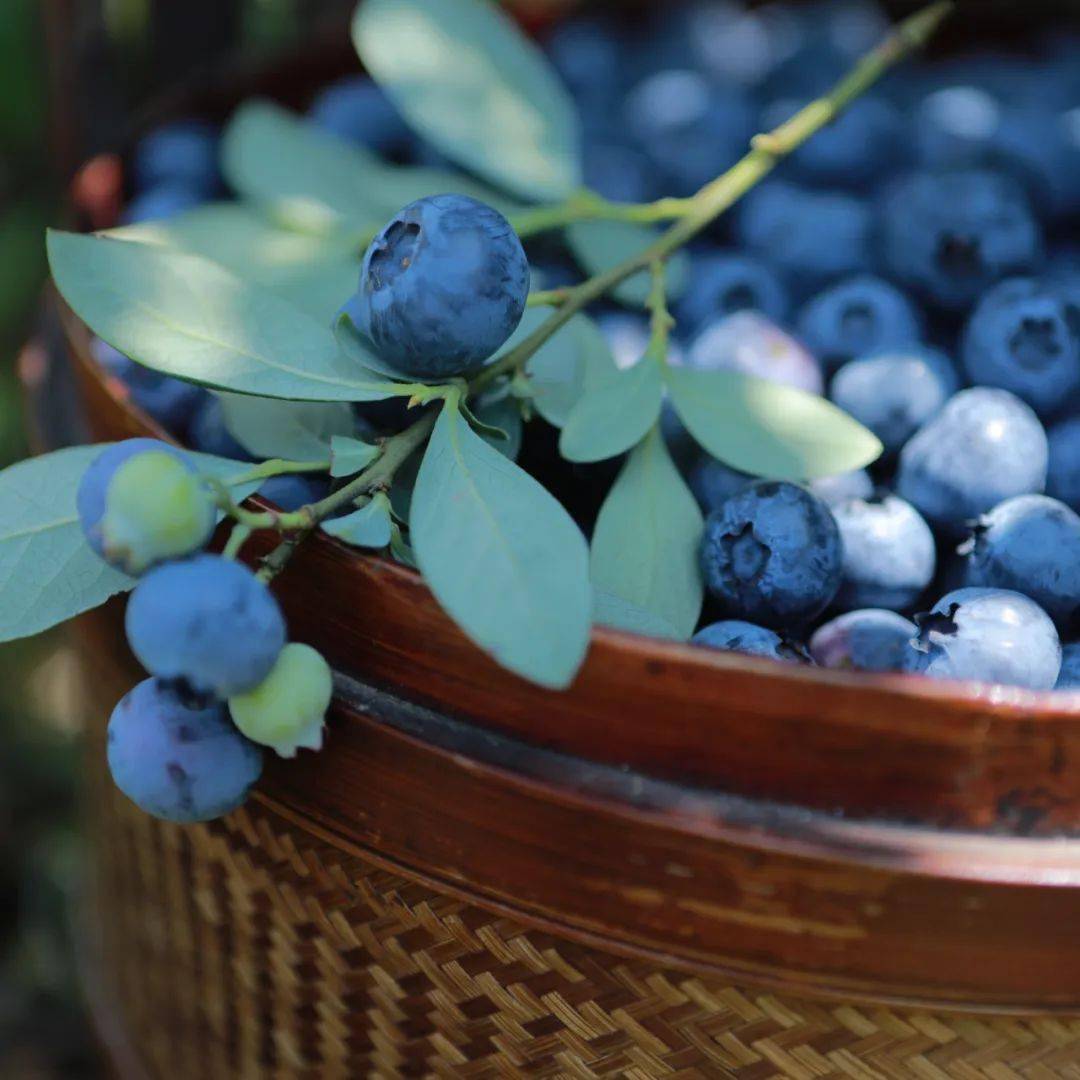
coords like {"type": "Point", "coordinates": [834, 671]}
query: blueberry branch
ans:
{"type": "Point", "coordinates": [660, 322]}
{"type": "Point", "coordinates": [766, 152]}
{"type": "Point", "coordinates": [586, 205]}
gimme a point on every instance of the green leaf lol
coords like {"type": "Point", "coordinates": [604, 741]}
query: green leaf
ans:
{"type": "Point", "coordinates": [400, 550]}
{"type": "Point", "coordinates": [227, 471]}
{"type": "Point", "coordinates": [503, 414]}
{"type": "Point", "coordinates": [315, 273]}
{"type": "Point", "coordinates": [307, 179]}
{"type": "Point", "coordinates": [615, 415]}
{"type": "Point", "coordinates": [646, 540]}
{"type": "Point", "coordinates": [601, 245]}
{"type": "Point", "coordinates": [474, 86]}
{"type": "Point", "coordinates": [501, 555]}
{"type": "Point", "coordinates": [186, 316]}
{"type": "Point", "coordinates": [294, 430]}
{"type": "Point", "coordinates": [614, 611]}
{"type": "Point", "coordinates": [348, 456]}
{"type": "Point", "coordinates": [767, 429]}
{"type": "Point", "coordinates": [576, 356]}
{"type": "Point", "coordinates": [360, 350]}
{"type": "Point", "coordinates": [368, 527]}
{"type": "Point", "coordinates": [48, 573]}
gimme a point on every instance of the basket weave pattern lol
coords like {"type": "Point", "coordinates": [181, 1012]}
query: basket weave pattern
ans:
{"type": "Point", "coordinates": [250, 948]}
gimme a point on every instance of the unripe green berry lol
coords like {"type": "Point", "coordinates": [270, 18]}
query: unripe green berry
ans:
{"type": "Point", "coordinates": [287, 709]}
{"type": "Point", "coordinates": [156, 508]}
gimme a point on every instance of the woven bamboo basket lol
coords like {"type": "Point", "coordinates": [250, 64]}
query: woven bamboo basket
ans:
{"type": "Point", "coordinates": [689, 865]}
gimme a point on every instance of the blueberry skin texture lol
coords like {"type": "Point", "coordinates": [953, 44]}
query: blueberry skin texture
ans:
{"type": "Point", "coordinates": [90, 496]}
{"type": "Point", "coordinates": [442, 286]}
{"type": "Point", "coordinates": [177, 763]}
{"type": "Point", "coordinates": [988, 635]}
{"type": "Point", "coordinates": [951, 235]}
{"type": "Point", "coordinates": [870, 639]}
{"type": "Point", "coordinates": [734, 635]}
{"type": "Point", "coordinates": [772, 554]}
{"type": "Point", "coordinates": [713, 483]}
{"type": "Point", "coordinates": [889, 554]}
{"type": "Point", "coordinates": [857, 317]}
{"type": "Point", "coordinates": [1063, 473]}
{"type": "Point", "coordinates": [357, 110]}
{"type": "Point", "coordinates": [160, 204]}
{"type": "Point", "coordinates": [749, 343]}
{"type": "Point", "coordinates": [1069, 676]}
{"type": "Point", "coordinates": [1025, 338]}
{"type": "Point", "coordinates": [984, 446]}
{"type": "Point", "coordinates": [850, 485]}
{"type": "Point", "coordinates": [171, 402]}
{"type": "Point", "coordinates": [893, 394]}
{"type": "Point", "coordinates": [183, 154]}
{"type": "Point", "coordinates": [723, 283]}
{"type": "Point", "coordinates": [1030, 544]}
{"type": "Point", "coordinates": [207, 621]}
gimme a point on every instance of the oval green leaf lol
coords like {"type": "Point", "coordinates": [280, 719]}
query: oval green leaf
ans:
{"type": "Point", "coordinates": [646, 540]}
{"type": "Point", "coordinates": [767, 429]}
{"type": "Point", "coordinates": [601, 245]}
{"type": "Point", "coordinates": [294, 430]}
{"type": "Point", "coordinates": [475, 87]}
{"type": "Point", "coordinates": [619, 614]}
{"type": "Point", "coordinates": [614, 415]}
{"type": "Point", "coordinates": [501, 555]}
{"type": "Point", "coordinates": [368, 527]}
{"type": "Point", "coordinates": [348, 456]}
{"type": "Point", "coordinates": [186, 316]}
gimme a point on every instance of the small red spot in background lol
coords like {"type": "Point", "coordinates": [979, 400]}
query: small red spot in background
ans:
{"type": "Point", "coordinates": [98, 189]}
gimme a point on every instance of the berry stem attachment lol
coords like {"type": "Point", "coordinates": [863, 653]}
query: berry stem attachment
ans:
{"type": "Point", "coordinates": [277, 467]}
{"type": "Point", "coordinates": [714, 198]}
{"type": "Point", "coordinates": [237, 538]}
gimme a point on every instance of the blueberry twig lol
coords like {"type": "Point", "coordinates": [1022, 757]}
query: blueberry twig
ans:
{"type": "Point", "coordinates": [660, 321]}
{"type": "Point", "coordinates": [586, 205]}
{"type": "Point", "coordinates": [766, 152]}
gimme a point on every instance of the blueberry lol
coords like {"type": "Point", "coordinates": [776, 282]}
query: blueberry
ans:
{"type": "Point", "coordinates": [713, 482]}
{"type": "Point", "coordinates": [586, 52]}
{"type": "Point", "coordinates": [750, 343]}
{"type": "Point", "coordinates": [160, 204]}
{"type": "Point", "coordinates": [142, 501]}
{"type": "Point", "coordinates": [889, 553]}
{"type": "Point", "coordinates": [1069, 676]}
{"type": "Point", "coordinates": [772, 554]}
{"type": "Point", "coordinates": [171, 402]}
{"type": "Point", "coordinates": [287, 710]}
{"type": "Point", "coordinates": [734, 635]}
{"type": "Point", "coordinates": [983, 447]}
{"type": "Point", "coordinates": [208, 622]}
{"type": "Point", "coordinates": [813, 237]}
{"type": "Point", "coordinates": [207, 432]}
{"type": "Point", "coordinates": [955, 126]}
{"type": "Point", "coordinates": [726, 282]}
{"type": "Point", "coordinates": [951, 235]}
{"type": "Point", "coordinates": [895, 393]}
{"type": "Point", "coordinates": [617, 171]}
{"type": "Point", "coordinates": [1030, 544]}
{"type": "Point", "coordinates": [865, 640]}
{"type": "Point", "coordinates": [1063, 474]}
{"type": "Point", "coordinates": [357, 110]}
{"type": "Point", "coordinates": [442, 286]}
{"type": "Point", "coordinates": [182, 154]}
{"type": "Point", "coordinates": [988, 635]}
{"type": "Point", "coordinates": [855, 318]}
{"type": "Point", "coordinates": [178, 763]}
{"type": "Point", "coordinates": [859, 146]}
{"type": "Point", "coordinates": [291, 491]}
{"type": "Point", "coordinates": [850, 485]}
{"type": "Point", "coordinates": [1025, 337]}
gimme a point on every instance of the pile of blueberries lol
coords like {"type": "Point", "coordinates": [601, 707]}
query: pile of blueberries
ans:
{"type": "Point", "coordinates": [186, 744]}
{"type": "Point", "coordinates": [918, 262]}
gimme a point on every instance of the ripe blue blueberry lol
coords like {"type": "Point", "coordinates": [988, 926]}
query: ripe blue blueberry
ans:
{"type": "Point", "coordinates": [895, 393]}
{"type": "Point", "coordinates": [1063, 473]}
{"type": "Point", "coordinates": [1069, 676]}
{"type": "Point", "coordinates": [855, 318]}
{"type": "Point", "coordinates": [171, 402]}
{"type": "Point", "coordinates": [988, 635]}
{"type": "Point", "coordinates": [1030, 544]}
{"type": "Point", "coordinates": [291, 491]}
{"type": "Point", "coordinates": [442, 286]}
{"type": "Point", "coordinates": [587, 52]}
{"type": "Point", "coordinates": [357, 110]}
{"type": "Point", "coordinates": [983, 447]}
{"type": "Point", "coordinates": [772, 554]}
{"type": "Point", "coordinates": [207, 622]}
{"type": "Point", "coordinates": [726, 282]}
{"type": "Point", "coordinates": [1025, 337]}
{"type": "Point", "coordinates": [813, 237]}
{"type": "Point", "coordinates": [713, 482]}
{"type": "Point", "coordinates": [734, 635]}
{"type": "Point", "coordinates": [866, 640]}
{"type": "Point", "coordinates": [889, 553]}
{"type": "Point", "coordinates": [179, 763]}
{"type": "Point", "coordinates": [160, 204]}
{"type": "Point", "coordinates": [618, 171]}
{"type": "Point", "coordinates": [207, 431]}
{"type": "Point", "coordinates": [181, 154]}
{"type": "Point", "coordinates": [750, 343]}
{"type": "Point", "coordinates": [850, 485]}
{"type": "Point", "coordinates": [952, 235]}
